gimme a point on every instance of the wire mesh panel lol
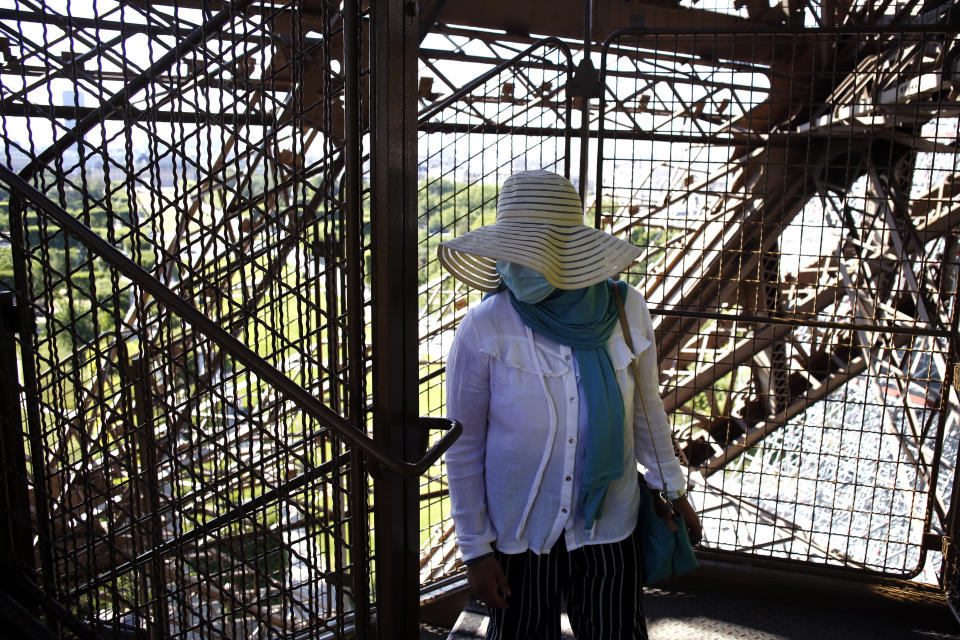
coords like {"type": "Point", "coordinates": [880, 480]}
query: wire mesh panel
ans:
{"type": "Point", "coordinates": [793, 193]}
{"type": "Point", "coordinates": [950, 570]}
{"type": "Point", "coordinates": [513, 117]}
{"type": "Point", "coordinates": [175, 490]}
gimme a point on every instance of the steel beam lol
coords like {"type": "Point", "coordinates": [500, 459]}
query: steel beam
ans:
{"type": "Point", "coordinates": [565, 19]}
{"type": "Point", "coordinates": [394, 314]}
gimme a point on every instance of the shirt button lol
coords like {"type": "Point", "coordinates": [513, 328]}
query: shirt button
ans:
{"type": "Point", "coordinates": [567, 357]}
{"type": "Point", "coordinates": [571, 441]}
{"type": "Point", "coordinates": [563, 510]}
{"type": "Point", "coordinates": [568, 478]}
{"type": "Point", "coordinates": [573, 398]}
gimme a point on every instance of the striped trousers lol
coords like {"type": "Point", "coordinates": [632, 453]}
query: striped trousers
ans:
{"type": "Point", "coordinates": [600, 585]}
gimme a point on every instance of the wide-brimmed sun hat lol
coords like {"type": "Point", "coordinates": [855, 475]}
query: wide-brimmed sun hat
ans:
{"type": "Point", "coordinates": [539, 225]}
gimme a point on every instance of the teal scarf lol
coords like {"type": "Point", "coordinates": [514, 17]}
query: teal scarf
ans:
{"type": "Point", "coordinates": [583, 319]}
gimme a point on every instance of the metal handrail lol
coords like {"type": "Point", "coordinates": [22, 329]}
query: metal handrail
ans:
{"type": "Point", "coordinates": [266, 371]}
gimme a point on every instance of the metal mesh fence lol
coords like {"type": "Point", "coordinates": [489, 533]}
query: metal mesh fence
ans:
{"type": "Point", "coordinates": [174, 489]}
{"type": "Point", "coordinates": [793, 189]}
{"type": "Point", "coordinates": [789, 194]}
{"type": "Point", "coordinates": [505, 120]}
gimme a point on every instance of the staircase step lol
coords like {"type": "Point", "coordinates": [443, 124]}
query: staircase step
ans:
{"type": "Point", "coordinates": [472, 623]}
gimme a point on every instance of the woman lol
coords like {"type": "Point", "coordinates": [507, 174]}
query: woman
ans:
{"type": "Point", "coordinates": [543, 480]}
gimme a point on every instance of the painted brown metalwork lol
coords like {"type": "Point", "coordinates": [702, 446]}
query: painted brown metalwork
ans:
{"type": "Point", "coordinates": [207, 447]}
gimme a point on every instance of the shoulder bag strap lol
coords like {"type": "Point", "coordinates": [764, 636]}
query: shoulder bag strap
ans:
{"type": "Point", "coordinates": [636, 380]}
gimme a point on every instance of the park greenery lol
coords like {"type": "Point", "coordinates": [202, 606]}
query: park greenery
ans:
{"type": "Point", "coordinates": [59, 265]}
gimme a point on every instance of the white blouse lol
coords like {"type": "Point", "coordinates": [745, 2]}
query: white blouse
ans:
{"type": "Point", "coordinates": [513, 473]}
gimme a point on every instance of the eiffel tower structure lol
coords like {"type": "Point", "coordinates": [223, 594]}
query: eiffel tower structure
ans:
{"type": "Point", "coordinates": [230, 326]}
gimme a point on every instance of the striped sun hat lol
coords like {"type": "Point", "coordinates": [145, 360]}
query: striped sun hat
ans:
{"type": "Point", "coordinates": [539, 225]}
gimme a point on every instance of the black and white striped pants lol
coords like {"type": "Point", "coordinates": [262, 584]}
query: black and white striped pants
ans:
{"type": "Point", "coordinates": [599, 583]}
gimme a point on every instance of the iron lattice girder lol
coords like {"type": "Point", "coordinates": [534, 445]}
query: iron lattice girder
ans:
{"type": "Point", "coordinates": [540, 18]}
{"type": "Point", "coordinates": [237, 72]}
{"type": "Point", "coordinates": [777, 182]}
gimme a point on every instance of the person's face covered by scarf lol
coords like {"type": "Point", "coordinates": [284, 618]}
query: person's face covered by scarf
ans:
{"type": "Point", "coordinates": [526, 284]}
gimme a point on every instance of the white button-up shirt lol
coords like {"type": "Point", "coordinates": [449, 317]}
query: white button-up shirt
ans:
{"type": "Point", "coordinates": [514, 473]}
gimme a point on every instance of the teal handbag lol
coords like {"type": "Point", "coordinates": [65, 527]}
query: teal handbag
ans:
{"type": "Point", "coordinates": [664, 553]}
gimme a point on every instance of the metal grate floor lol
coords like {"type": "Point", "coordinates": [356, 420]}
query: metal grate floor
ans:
{"type": "Point", "coordinates": [701, 615]}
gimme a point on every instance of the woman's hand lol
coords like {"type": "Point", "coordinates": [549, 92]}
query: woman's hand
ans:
{"type": "Point", "coordinates": [487, 580]}
{"type": "Point", "coordinates": [663, 510]}
{"type": "Point", "coordinates": [694, 528]}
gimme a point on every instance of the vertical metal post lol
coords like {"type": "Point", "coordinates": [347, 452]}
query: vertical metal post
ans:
{"type": "Point", "coordinates": [601, 106]}
{"type": "Point", "coordinates": [16, 536]}
{"type": "Point", "coordinates": [394, 256]}
{"type": "Point", "coordinates": [353, 215]}
{"type": "Point", "coordinates": [585, 64]}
